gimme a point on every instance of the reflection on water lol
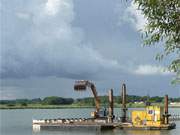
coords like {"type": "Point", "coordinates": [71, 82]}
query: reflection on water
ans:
{"type": "Point", "coordinates": [49, 132]}
{"type": "Point", "coordinates": [114, 132]}
{"type": "Point", "coordinates": [146, 132]}
{"type": "Point", "coordinates": [109, 132]}
{"type": "Point", "coordinates": [74, 131]}
{"type": "Point", "coordinates": [135, 132]}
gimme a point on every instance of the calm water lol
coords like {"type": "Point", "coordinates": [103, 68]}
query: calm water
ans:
{"type": "Point", "coordinates": [19, 122]}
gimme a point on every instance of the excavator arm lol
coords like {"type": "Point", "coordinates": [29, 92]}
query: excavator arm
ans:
{"type": "Point", "coordinates": [82, 85]}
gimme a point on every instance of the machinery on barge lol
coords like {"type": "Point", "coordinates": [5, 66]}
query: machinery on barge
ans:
{"type": "Point", "coordinates": [152, 117]}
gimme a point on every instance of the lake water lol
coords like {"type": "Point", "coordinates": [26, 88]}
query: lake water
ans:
{"type": "Point", "coordinates": [19, 122]}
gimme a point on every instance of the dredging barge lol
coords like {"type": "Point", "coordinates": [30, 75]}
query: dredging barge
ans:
{"type": "Point", "coordinates": [151, 118]}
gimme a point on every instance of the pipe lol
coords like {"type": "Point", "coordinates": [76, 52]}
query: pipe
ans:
{"type": "Point", "coordinates": [166, 104]}
{"type": "Point", "coordinates": [124, 109]}
{"type": "Point", "coordinates": [111, 106]}
{"type": "Point", "coordinates": [124, 95]}
{"type": "Point", "coordinates": [166, 115]}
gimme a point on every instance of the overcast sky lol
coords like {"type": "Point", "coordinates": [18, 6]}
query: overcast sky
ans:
{"type": "Point", "coordinates": [48, 44]}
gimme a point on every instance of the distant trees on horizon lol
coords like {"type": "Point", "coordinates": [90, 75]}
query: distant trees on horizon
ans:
{"type": "Point", "coordinates": [55, 100]}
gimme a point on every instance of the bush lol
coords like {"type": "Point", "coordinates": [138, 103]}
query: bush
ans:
{"type": "Point", "coordinates": [23, 104]}
{"type": "Point", "coordinates": [11, 105]}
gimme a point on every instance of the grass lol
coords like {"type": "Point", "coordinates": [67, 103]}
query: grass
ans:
{"type": "Point", "coordinates": [41, 106]}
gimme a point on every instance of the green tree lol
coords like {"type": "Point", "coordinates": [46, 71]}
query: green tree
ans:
{"type": "Point", "coordinates": [54, 100]}
{"type": "Point", "coordinates": [163, 26]}
{"type": "Point", "coordinates": [24, 104]}
{"type": "Point", "coordinates": [104, 100]}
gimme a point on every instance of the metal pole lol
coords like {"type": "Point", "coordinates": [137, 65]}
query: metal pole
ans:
{"type": "Point", "coordinates": [166, 115]}
{"type": "Point", "coordinates": [111, 106]}
{"type": "Point", "coordinates": [124, 109]}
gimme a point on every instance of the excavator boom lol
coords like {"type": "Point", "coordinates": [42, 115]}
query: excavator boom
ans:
{"type": "Point", "coordinates": [82, 85]}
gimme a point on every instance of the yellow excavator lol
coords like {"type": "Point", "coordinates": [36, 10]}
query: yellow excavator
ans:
{"type": "Point", "coordinates": [82, 85]}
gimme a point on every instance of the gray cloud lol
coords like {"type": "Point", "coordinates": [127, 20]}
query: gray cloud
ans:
{"type": "Point", "coordinates": [131, 15]}
{"type": "Point", "coordinates": [46, 46]}
{"type": "Point", "coordinates": [41, 41]}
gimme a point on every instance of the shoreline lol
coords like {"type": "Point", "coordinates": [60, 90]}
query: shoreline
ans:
{"type": "Point", "coordinates": [64, 107]}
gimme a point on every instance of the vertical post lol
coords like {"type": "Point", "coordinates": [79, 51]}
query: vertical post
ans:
{"type": "Point", "coordinates": [124, 95]}
{"type": "Point", "coordinates": [124, 109]}
{"type": "Point", "coordinates": [111, 106]}
{"type": "Point", "coordinates": [166, 104]}
{"type": "Point", "coordinates": [166, 115]}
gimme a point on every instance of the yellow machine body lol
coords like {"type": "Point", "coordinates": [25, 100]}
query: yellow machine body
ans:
{"type": "Point", "coordinates": [151, 116]}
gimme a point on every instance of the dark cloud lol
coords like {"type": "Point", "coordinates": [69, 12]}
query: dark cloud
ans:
{"type": "Point", "coordinates": [46, 45]}
{"type": "Point", "coordinates": [41, 41]}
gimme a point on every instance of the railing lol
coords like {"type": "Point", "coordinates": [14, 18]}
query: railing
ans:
{"type": "Point", "coordinates": [174, 117]}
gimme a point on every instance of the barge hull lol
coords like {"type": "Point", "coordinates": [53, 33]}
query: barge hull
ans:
{"type": "Point", "coordinates": [85, 127]}
{"type": "Point", "coordinates": [162, 127]}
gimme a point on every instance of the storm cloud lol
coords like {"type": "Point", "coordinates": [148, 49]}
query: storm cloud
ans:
{"type": "Point", "coordinates": [46, 45]}
{"type": "Point", "coordinates": [38, 39]}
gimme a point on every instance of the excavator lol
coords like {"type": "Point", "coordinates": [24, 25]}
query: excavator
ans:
{"type": "Point", "coordinates": [82, 85]}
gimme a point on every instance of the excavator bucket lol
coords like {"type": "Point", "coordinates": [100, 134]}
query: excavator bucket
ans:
{"type": "Point", "coordinates": [80, 85]}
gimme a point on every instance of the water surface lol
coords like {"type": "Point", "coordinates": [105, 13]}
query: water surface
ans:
{"type": "Point", "coordinates": [19, 122]}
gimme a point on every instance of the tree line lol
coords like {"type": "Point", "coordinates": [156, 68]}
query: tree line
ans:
{"type": "Point", "coordinates": [51, 100]}
{"type": "Point", "coordinates": [55, 100]}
